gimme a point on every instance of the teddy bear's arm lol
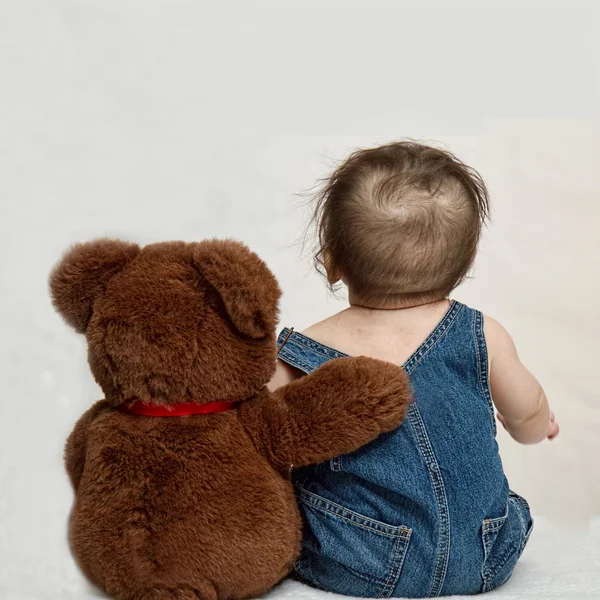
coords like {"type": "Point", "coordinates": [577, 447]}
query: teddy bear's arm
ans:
{"type": "Point", "coordinates": [341, 406]}
{"type": "Point", "coordinates": [76, 442]}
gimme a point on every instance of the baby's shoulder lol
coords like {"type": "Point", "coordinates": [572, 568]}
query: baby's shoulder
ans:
{"type": "Point", "coordinates": [497, 339]}
{"type": "Point", "coordinates": [326, 331]}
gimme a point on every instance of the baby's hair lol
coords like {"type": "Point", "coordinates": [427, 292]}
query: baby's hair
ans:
{"type": "Point", "coordinates": [400, 223]}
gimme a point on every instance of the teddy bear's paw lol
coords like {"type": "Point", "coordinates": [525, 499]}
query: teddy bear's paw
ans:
{"type": "Point", "coordinates": [387, 392]}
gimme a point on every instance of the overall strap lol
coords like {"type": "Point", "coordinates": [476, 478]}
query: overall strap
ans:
{"type": "Point", "coordinates": [303, 353]}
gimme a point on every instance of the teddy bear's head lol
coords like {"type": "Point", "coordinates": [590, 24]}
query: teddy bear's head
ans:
{"type": "Point", "coordinates": [171, 322]}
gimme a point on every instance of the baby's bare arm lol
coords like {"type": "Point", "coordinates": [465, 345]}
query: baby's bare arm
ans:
{"type": "Point", "coordinates": [519, 398]}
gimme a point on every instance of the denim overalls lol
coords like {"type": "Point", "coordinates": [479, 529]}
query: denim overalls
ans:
{"type": "Point", "coordinates": [424, 510]}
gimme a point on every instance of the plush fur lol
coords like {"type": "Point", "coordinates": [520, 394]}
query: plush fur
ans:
{"type": "Point", "coordinates": [198, 507]}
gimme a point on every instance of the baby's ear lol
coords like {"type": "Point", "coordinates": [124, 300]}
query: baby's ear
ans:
{"type": "Point", "coordinates": [82, 274]}
{"type": "Point", "coordinates": [249, 291]}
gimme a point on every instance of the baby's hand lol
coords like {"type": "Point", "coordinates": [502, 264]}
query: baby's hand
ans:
{"type": "Point", "coordinates": [553, 428]}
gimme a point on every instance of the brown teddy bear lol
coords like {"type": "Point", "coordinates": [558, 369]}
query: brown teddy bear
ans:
{"type": "Point", "coordinates": [182, 473]}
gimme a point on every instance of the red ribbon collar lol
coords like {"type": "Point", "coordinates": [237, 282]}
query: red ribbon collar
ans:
{"type": "Point", "coordinates": [181, 409]}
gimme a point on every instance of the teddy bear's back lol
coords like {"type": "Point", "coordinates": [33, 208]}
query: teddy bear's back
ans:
{"type": "Point", "coordinates": [170, 502]}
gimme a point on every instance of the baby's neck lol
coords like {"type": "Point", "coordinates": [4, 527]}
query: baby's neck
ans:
{"type": "Point", "coordinates": [371, 316]}
{"type": "Point", "coordinates": [390, 333]}
{"type": "Point", "coordinates": [406, 302]}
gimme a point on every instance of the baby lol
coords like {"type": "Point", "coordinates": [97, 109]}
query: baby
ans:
{"type": "Point", "coordinates": [425, 510]}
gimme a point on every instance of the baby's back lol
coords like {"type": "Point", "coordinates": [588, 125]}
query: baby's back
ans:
{"type": "Point", "coordinates": [424, 510]}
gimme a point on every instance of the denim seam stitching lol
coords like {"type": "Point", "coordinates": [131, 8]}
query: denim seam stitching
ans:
{"type": "Point", "coordinates": [335, 464]}
{"type": "Point", "coordinates": [486, 553]}
{"type": "Point", "coordinates": [339, 511]}
{"type": "Point", "coordinates": [483, 370]}
{"type": "Point", "coordinates": [443, 545]}
{"type": "Point", "coordinates": [396, 568]}
{"type": "Point", "coordinates": [317, 347]}
{"type": "Point", "coordinates": [385, 590]}
{"type": "Point", "coordinates": [353, 522]}
{"type": "Point", "coordinates": [496, 521]}
{"type": "Point", "coordinates": [293, 360]}
{"type": "Point", "coordinates": [493, 526]}
{"type": "Point", "coordinates": [408, 365]}
{"type": "Point", "coordinates": [434, 337]}
{"type": "Point", "coordinates": [490, 526]}
{"type": "Point", "coordinates": [501, 560]}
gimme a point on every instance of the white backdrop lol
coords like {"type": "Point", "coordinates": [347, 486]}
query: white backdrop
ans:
{"type": "Point", "coordinates": [154, 120]}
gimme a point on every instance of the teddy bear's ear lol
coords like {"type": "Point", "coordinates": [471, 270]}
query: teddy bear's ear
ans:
{"type": "Point", "coordinates": [248, 289]}
{"type": "Point", "coordinates": [82, 274]}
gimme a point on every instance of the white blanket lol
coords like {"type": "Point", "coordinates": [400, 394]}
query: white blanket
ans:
{"type": "Point", "coordinates": [561, 561]}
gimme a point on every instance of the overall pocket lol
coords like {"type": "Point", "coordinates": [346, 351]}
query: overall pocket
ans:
{"type": "Point", "coordinates": [503, 542]}
{"type": "Point", "coordinates": [522, 507]}
{"type": "Point", "coordinates": [370, 550]}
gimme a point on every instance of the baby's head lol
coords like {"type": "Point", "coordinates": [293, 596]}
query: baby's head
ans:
{"type": "Point", "coordinates": [400, 224]}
